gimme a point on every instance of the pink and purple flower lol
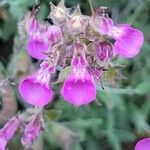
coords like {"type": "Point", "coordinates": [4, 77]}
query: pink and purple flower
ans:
{"type": "Point", "coordinates": [35, 89]}
{"type": "Point", "coordinates": [128, 39]}
{"type": "Point", "coordinates": [37, 45]}
{"type": "Point", "coordinates": [79, 83]}
{"type": "Point", "coordinates": [94, 49]}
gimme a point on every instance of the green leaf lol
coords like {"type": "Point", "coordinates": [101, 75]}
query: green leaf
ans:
{"type": "Point", "coordinates": [8, 29]}
{"type": "Point", "coordinates": [52, 115]}
{"type": "Point", "coordinates": [124, 135]}
{"type": "Point", "coordinates": [87, 123]}
{"type": "Point", "coordinates": [76, 146]}
{"type": "Point", "coordinates": [114, 140]}
{"type": "Point", "coordinates": [43, 11]}
{"type": "Point", "coordinates": [143, 88]}
{"type": "Point", "coordinates": [63, 74]}
{"type": "Point", "coordinates": [19, 7]}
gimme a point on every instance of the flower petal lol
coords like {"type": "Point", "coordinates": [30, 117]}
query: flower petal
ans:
{"type": "Point", "coordinates": [3, 143]}
{"type": "Point", "coordinates": [8, 131]}
{"type": "Point", "coordinates": [105, 25]}
{"type": "Point", "coordinates": [79, 92]}
{"type": "Point", "coordinates": [36, 46]}
{"type": "Point", "coordinates": [35, 93]}
{"type": "Point", "coordinates": [143, 144]}
{"type": "Point", "coordinates": [129, 42]}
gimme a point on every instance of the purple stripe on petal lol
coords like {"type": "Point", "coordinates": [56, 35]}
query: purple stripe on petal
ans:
{"type": "Point", "coordinates": [78, 91]}
{"type": "Point", "coordinates": [105, 25]}
{"type": "Point", "coordinates": [35, 93]}
{"type": "Point", "coordinates": [33, 25]}
{"type": "Point", "coordinates": [53, 33]}
{"type": "Point", "coordinates": [143, 144]}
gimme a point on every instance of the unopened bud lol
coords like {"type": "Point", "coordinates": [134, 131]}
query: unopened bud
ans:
{"type": "Point", "coordinates": [59, 12]}
{"type": "Point", "coordinates": [32, 130]}
{"type": "Point", "coordinates": [77, 22]}
{"type": "Point", "coordinates": [104, 50]}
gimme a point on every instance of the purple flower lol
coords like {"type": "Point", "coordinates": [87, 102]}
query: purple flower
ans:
{"type": "Point", "coordinates": [37, 42]}
{"type": "Point", "coordinates": [79, 88]}
{"type": "Point", "coordinates": [32, 130]}
{"type": "Point", "coordinates": [53, 33]}
{"type": "Point", "coordinates": [8, 131]}
{"type": "Point", "coordinates": [128, 39]}
{"type": "Point", "coordinates": [37, 45]}
{"type": "Point", "coordinates": [35, 89]}
{"type": "Point", "coordinates": [143, 144]}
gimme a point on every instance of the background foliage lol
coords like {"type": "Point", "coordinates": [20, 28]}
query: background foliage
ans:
{"type": "Point", "coordinates": [120, 115]}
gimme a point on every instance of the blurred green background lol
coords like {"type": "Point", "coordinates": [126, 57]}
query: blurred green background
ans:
{"type": "Point", "coordinates": [117, 119]}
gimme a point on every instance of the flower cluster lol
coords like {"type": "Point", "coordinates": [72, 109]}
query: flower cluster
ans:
{"type": "Point", "coordinates": [87, 44]}
{"type": "Point", "coordinates": [30, 134]}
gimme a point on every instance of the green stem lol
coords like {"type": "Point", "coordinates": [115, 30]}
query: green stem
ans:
{"type": "Point", "coordinates": [91, 6]}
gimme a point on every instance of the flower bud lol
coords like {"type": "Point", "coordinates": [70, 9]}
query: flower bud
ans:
{"type": "Point", "coordinates": [8, 131]}
{"type": "Point", "coordinates": [104, 50]}
{"type": "Point", "coordinates": [58, 13]}
{"type": "Point", "coordinates": [32, 130]}
{"type": "Point", "coordinates": [77, 22]}
{"type": "Point", "coordinates": [54, 33]}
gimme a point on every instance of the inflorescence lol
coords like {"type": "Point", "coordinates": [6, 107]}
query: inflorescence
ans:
{"type": "Point", "coordinates": [85, 45]}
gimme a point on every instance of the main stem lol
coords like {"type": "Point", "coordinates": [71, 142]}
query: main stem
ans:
{"type": "Point", "coordinates": [91, 6]}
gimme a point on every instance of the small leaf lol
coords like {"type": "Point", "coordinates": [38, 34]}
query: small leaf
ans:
{"type": "Point", "coordinates": [143, 88]}
{"type": "Point", "coordinates": [88, 123]}
{"type": "Point", "coordinates": [63, 74]}
{"type": "Point", "coordinates": [52, 114]}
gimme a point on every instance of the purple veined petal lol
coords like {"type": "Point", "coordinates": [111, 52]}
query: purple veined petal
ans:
{"type": "Point", "coordinates": [104, 26]}
{"type": "Point", "coordinates": [79, 59]}
{"type": "Point", "coordinates": [37, 44]}
{"type": "Point", "coordinates": [79, 62]}
{"type": "Point", "coordinates": [35, 92]}
{"type": "Point", "coordinates": [143, 144]}
{"type": "Point", "coordinates": [104, 50]}
{"type": "Point", "coordinates": [32, 130]}
{"type": "Point", "coordinates": [53, 33]}
{"type": "Point", "coordinates": [129, 42]}
{"type": "Point", "coordinates": [79, 92]}
{"type": "Point", "coordinates": [33, 25]}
